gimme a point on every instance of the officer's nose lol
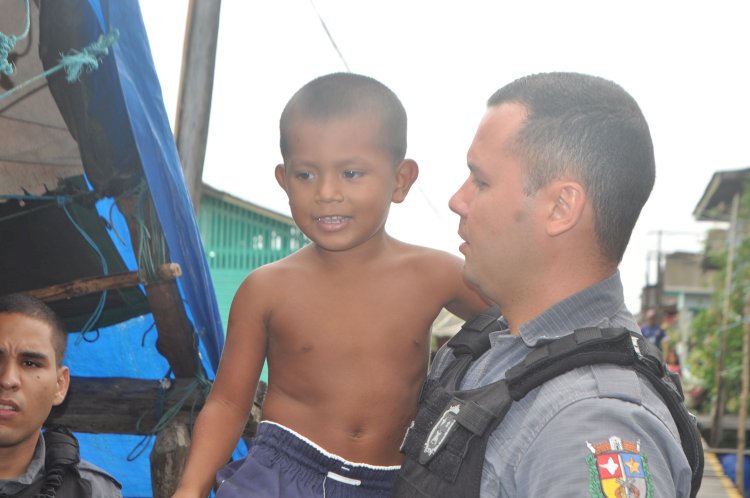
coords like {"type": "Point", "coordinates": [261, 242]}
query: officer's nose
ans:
{"type": "Point", "coordinates": [458, 201]}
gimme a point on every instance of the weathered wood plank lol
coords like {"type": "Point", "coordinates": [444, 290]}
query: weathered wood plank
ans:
{"type": "Point", "coordinates": [196, 89]}
{"type": "Point", "coordinates": [115, 405]}
{"type": "Point", "coordinates": [83, 286]}
{"type": "Point", "coordinates": [168, 458]}
{"type": "Point", "coordinates": [176, 341]}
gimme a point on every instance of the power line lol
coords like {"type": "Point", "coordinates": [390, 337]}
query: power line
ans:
{"type": "Point", "coordinates": [330, 38]}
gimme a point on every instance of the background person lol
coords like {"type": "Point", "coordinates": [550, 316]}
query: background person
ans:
{"type": "Point", "coordinates": [32, 381]}
{"type": "Point", "coordinates": [652, 330]}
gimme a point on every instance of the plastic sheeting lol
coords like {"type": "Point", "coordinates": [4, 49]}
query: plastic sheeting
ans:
{"type": "Point", "coordinates": [117, 116]}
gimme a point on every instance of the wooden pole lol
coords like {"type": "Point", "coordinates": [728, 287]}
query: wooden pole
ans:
{"type": "Point", "coordinates": [718, 408]}
{"type": "Point", "coordinates": [196, 87]}
{"type": "Point", "coordinates": [168, 458]}
{"type": "Point", "coordinates": [176, 340]}
{"type": "Point", "coordinates": [90, 285]}
{"type": "Point", "coordinates": [740, 469]}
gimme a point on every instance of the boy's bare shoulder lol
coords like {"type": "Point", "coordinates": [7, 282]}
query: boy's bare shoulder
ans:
{"type": "Point", "coordinates": [426, 255]}
{"type": "Point", "coordinates": [282, 268]}
{"type": "Point", "coordinates": [274, 277]}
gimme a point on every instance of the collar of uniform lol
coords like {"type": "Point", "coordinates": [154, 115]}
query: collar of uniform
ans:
{"type": "Point", "coordinates": [588, 308]}
{"type": "Point", "coordinates": [13, 486]}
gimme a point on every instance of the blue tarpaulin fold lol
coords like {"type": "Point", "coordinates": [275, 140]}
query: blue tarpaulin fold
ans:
{"type": "Point", "coordinates": [116, 115]}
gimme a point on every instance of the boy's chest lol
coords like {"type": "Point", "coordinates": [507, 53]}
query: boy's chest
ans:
{"type": "Point", "coordinates": [366, 314]}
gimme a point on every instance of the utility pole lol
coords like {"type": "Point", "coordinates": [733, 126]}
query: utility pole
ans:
{"type": "Point", "coordinates": [196, 88]}
{"type": "Point", "coordinates": [659, 278]}
{"type": "Point", "coordinates": [718, 407]}
{"type": "Point", "coordinates": [745, 391]}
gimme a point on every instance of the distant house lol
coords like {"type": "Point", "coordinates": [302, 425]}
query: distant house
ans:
{"type": "Point", "coordinates": [239, 236]}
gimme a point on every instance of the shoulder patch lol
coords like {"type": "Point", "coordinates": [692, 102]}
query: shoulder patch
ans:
{"type": "Point", "coordinates": [617, 469]}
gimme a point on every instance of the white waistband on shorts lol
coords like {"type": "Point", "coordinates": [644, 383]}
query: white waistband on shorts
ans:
{"type": "Point", "coordinates": [329, 454]}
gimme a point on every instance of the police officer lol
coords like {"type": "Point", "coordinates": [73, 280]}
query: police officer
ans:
{"type": "Point", "coordinates": [559, 169]}
{"type": "Point", "coordinates": [32, 381]}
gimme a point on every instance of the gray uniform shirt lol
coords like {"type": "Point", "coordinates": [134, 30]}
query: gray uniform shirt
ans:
{"type": "Point", "coordinates": [545, 445]}
{"type": "Point", "coordinates": [102, 484]}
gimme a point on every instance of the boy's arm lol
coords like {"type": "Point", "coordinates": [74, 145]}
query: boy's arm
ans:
{"type": "Point", "coordinates": [222, 420]}
{"type": "Point", "coordinates": [465, 300]}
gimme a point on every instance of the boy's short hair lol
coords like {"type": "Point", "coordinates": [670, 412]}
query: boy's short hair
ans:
{"type": "Point", "coordinates": [346, 94]}
{"type": "Point", "coordinates": [34, 308]}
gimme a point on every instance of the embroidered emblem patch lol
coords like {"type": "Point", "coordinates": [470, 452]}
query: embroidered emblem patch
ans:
{"type": "Point", "coordinates": [617, 469]}
{"type": "Point", "coordinates": [439, 433]}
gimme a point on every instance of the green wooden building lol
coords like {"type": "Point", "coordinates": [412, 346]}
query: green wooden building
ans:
{"type": "Point", "coordinates": [238, 237]}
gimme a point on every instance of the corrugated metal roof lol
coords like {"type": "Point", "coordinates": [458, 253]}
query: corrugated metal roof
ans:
{"type": "Point", "coordinates": [237, 201]}
{"type": "Point", "coordinates": [716, 202]}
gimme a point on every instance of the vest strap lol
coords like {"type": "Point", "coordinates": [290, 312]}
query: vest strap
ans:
{"type": "Point", "coordinates": [473, 338]}
{"type": "Point", "coordinates": [585, 346]}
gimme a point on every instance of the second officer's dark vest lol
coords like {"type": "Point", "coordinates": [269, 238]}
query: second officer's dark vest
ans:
{"type": "Point", "coordinates": [445, 446]}
{"type": "Point", "coordinates": [62, 478]}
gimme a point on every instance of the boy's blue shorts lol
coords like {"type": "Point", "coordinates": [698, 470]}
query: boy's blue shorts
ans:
{"type": "Point", "coordinates": [282, 463]}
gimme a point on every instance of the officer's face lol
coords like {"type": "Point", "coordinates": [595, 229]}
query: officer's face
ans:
{"type": "Point", "coordinates": [31, 383]}
{"type": "Point", "coordinates": [496, 215]}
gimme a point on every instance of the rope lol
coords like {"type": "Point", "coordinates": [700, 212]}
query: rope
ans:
{"type": "Point", "coordinates": [149, 247]}
{"type": "Point", "coordinates": [105, 269]}
{"type": "Point", "coordinates": [76, 62]}
{"type": "Point", "coordinates": [143, 337]}
{"type": "Point", "coordinates": [56, 200]}
{"type": "Point", "coordinates": [200, 383]}
{"type": "Point", "coordinates": [8, 43]}
{"type": "Point", "coordinates": [19, 197]}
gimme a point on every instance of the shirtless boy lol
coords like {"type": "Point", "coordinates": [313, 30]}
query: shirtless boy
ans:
{"type": "Point", "coordinates": [344, 322]}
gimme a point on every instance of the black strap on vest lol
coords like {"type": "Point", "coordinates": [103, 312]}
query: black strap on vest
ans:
{"type": "Point", "coordinates": [587, 346]}
{"type": "Point", "coordinates": [619, 346]}
{"type": "Point", "coordinates": [62, 478]}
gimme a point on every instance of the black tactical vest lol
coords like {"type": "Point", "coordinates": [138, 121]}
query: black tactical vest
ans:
{"type": "Point", "coordinates": [445, 446]}
{"type": "Point", "coordinates": [62, 478]}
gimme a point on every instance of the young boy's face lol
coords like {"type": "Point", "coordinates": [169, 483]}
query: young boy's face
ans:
{"type": "Point", "coordinates": [341, 180]}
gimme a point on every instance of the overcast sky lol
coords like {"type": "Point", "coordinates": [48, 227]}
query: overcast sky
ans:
{"type": "Point", "coordinates": [686, 63]}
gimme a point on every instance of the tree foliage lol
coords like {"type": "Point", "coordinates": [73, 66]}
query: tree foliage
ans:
{"type": "Point", "coordinates": [707, 325]}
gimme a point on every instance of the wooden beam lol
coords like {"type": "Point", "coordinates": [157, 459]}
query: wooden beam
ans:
{"type": "Point", "coordinates": [83, 286]}
{"type": "Point", "coordinates": [119, 405]}
{"type": "Point", "coordinates": [176, 341]}
{"type": "Point", "coordinates": [196, 88]}
{"type": "Point", "coordinates": [168, 458]}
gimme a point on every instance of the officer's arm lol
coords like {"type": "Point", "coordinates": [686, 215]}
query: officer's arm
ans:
{"type": "Point", "coordinates": [576, 452]}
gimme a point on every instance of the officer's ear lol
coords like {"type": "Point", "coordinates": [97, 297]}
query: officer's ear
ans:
{"type": "Point", "coordinates": [568, 202]}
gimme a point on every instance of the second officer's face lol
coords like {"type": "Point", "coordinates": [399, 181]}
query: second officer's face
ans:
{"type": "Point", "coordinates": [31, 382]}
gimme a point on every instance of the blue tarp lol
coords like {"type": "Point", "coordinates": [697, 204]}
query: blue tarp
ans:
{"type": "Point", "coordinates": [122, 100]}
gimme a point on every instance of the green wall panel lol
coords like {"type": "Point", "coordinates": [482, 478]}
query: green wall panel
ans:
{"type": "Point", "coordinates": [238, 239]}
